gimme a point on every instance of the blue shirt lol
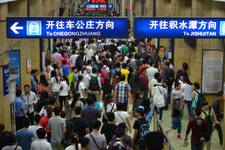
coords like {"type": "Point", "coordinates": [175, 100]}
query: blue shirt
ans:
{"type": "Point", "coordinates": [195, 101]}
{"type": "Point", "coordinates": [24, 138]}
{"type": "Point", "coordinates": [65, 70]}
{"type": "Point", "coordinates": [19, 107]}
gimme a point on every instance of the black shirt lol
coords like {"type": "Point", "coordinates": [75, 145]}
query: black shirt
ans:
{"type": "Point", "coordinates": [216, 107]}
{"type": "Point", "coordinates": [154, 141]}
{"type": "Point", "coordinates": [79, 126]}
{"type": "Point", "coordinates": [108, 130]}
{"type": "Point", "coordinates": [3, 140]}
{"type": "Point", "coordinates": [137, 125]}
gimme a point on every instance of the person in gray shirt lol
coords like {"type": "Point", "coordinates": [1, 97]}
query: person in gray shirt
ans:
{"type": "Point", "coordinates": [58, 128]}
{"type": "Point", "coordinates": [97, 141]}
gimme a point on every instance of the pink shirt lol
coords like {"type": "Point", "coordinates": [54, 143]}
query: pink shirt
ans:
{"type": "Point", "coordinates": [67, 61]}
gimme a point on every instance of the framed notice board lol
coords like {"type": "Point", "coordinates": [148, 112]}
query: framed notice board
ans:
{"type": "Point", "coordinates": [212, 70]}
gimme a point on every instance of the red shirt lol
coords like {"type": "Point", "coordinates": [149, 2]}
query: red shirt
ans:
{"type": "Point", "coordinates": [44, 123]}
{"type": "Point", "coordinates": [144, 81]}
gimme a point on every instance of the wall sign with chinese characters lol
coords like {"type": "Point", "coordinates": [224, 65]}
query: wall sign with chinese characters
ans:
{"type": "Point", "coordinates": [179, 27]}
{"type": "Point", "coordinates": [67, 27]}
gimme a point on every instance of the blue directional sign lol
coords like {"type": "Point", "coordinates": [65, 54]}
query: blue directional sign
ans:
{"type": "Point", "coordinates": [179, 27]}
{"type": "Point", "coordinates": [67, 27]}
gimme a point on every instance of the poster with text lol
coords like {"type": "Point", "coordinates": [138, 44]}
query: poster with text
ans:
{"type": "Point", "coordinates": [212, 71]}
{"type": "Point", "coordinates": [14, 66]}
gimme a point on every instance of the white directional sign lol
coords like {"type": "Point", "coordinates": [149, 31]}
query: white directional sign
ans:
{"type": "Point", "coordinates": [14, 28]}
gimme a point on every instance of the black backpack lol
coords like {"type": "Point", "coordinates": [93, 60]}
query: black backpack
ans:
{"type": "Point", "coordinates": [94, 84]}
{"type": "Point", "coordinates": [169, 77]}
{"type": "Point", "coordinates": [201, 100]}
{"type": "Point", "coordinates": [209, 124]}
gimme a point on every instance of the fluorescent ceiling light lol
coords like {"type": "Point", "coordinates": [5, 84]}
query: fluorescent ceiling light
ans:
{"type": "Point", "coordinates": [219, 0]}
{"type": "Point", "coordinates": [6, 1]}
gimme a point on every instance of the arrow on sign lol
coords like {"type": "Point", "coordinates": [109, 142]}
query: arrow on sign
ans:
{"type": "Point", "coordinates": [14, 28]}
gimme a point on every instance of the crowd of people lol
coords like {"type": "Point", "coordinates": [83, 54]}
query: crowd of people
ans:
{"type": "Point", "coordinates": [90, 90]}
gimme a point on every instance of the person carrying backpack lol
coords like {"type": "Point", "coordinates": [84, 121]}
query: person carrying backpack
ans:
{"type": "Point", "coordinates": [198, 128]}
{"type": "Point", "coordinates": [199, 99]}
{"type": "Point", "coordinates": [118, 143]}
{"type": "Point", "coordinates": [94, 84]}
{"type": "Point", "coordinates": [169, 74]}
{"type": "Point", "coordinates": [141, 128]}
{"type": "Point", "coordinates": [209, 117]}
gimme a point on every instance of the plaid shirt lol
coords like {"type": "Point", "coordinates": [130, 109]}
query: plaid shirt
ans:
{"type": "Point", "coordinates": [122, 89]}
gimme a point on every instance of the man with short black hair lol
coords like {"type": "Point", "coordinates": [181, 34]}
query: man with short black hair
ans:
{"type": "Point", "coordinates": [197, 126]}
{"type": "Point", "coordinates": [118, 143]}
{"type": "Point", "coordinates": [97, 140]}
{"type": "Point", "coordinates": [58, 128]}
{"type": "Point", "coordinates": [95, 84]}
{"type": "Point", "coordinates": [122, 93]}
{"type": "Point", "coordinates": [24, 136]}
{"type": "Point", "coordinates": [109, 128]}
{"type": "Point", "coordinates": [36, 126]}
{"type": "Point", "coordinates": [30, 99]}
{"type": "Point", "coordinates": [139, 127]}
{"type": "Point", "coordinates": [20, 112]}
{"type": "Point", "coordinates": [182, 72]}
{"type": "Point", "coordinates": [41, 143]}
{"type": "Point", "coordinates": [80, 126]}
{"type": "Point", "coordinates": [90, 113]}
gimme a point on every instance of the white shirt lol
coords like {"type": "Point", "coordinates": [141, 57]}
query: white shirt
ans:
{"type": "Point", "coordinates": [106, 69]}
{"type": "Point", "coordinates": [120, 117]}
{"type": "Point", "coordinates": [151, 85]}
{"type": "Point", "coordinates": [176, 94]}
{"type": "Point", "coordinates": [72, 147]}
{"type": "Point", "coordinates": [110, 107]}
{"type": "Point", "coordinates": [41, 144]}
{"type": "Point", "coordinates": [151, 73]}
{"type": "Point", "coordinates": [86, 79]}
{"type": "Point", "coordinates": [187, 90]}
{"type": "Point", "coordinates": [158, 94]}
{"type": "Point", "coordinates": [80, 88]}
{"type": "Point", "coordinates": [64, 89]}
{"type": "Point", "coordinates": [73, 59]}
{"type": "Point", "coordinates": [12, 147]}
{"type": "Point", "coordinates": [89, 53]}
{"type": "Point", "coordinates": [30, 99]}
{"type": "Point", "coordinates": [125, 59]}
{"type": "Point", "coordinates": [55, 86]}
{"type": "Point", "coordinates": [34, 128]}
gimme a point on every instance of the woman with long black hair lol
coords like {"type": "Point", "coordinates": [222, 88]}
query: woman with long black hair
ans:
{"type": "Point", "coordinates": [55, 84]}
{"type": "Point", "coordinates": [74, 143]}
{"type": "Point", "coordinates": [64, 91]}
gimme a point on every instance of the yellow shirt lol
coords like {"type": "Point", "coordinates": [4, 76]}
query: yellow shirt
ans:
{"type": "Point", "coordinates": [125, 72]}
{"type": "Point", "coordinates": [136, 50]}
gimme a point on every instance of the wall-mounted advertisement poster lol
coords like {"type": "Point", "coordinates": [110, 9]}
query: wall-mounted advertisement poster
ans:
{"type": "Point", "coordinates": [212, 71]}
